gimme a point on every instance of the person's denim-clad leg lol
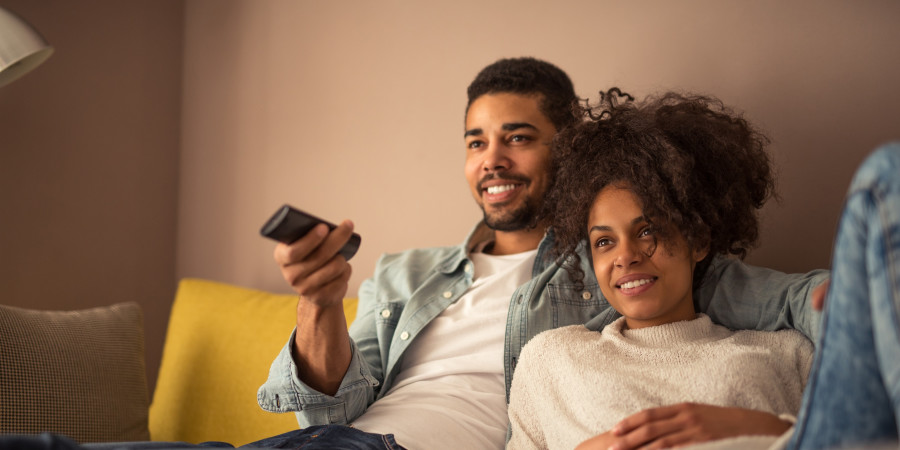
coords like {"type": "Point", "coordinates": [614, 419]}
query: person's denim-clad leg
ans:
{"type": "Point", "coordinates": [853, 393]}
{"type": "Point", "coordinates": [50, 441]}
{"type": "Point", "coordinates": [323, 437]}
{"type": "Point", "coordinates": [329, 437]}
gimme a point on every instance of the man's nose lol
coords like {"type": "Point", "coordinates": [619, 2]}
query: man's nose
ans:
{"type": "Point", "coordinates": [496, 157]}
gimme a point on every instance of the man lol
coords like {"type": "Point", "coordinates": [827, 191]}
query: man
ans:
{"type": "Point", "coordinates": [431, 355]}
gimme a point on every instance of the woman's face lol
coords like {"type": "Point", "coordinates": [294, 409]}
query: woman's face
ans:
{"type": "Point", "coordinates": [647, 281]}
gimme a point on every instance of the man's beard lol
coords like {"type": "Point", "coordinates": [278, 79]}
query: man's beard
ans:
{"type": "Point", "coordinates": [521, 218]}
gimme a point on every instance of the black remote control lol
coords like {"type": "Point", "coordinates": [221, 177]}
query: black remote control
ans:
{"type": "Point", "coordinates": [289, 224]}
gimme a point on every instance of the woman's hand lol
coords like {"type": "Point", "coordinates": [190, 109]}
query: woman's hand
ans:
{"type": "Point", "coordinates": [690, 423]}
{"type": "Point", "coordinates": [599, 442]}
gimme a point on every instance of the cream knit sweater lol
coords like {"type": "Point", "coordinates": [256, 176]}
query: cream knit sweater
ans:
{"type": "Point", "coordinates": [572, 384]}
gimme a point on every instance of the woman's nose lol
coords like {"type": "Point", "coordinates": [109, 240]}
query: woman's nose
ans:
{"type": "Point", "coordinates": [627, 254]}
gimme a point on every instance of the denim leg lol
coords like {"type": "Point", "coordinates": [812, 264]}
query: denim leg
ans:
{"type": "Point", "coordinates": [853, 393]}
{"type": "Point", "coordinates": [43, 441]}
{"type": "Point", "coordinates": [153, 445]}
{"type": "Point", "coordinates": [328, 437]}
{"type": "Point", "coordinates": [50, 441]}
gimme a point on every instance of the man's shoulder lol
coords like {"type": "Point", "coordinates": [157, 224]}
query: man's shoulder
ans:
{"type": "Point", "coordinates": [398, 275]}
{"type": "Point", "coordinates": [418, 256]}
{"type": "Point", "coordinates": [414, 265]}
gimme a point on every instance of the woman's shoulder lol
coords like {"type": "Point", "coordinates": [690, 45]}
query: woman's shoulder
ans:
{"type": "Point", "coordinates": [787, 340]}
{"type": "Point", "coordinates": [551, 342]}
{"type": "Point", "coordinates": [555, 336]}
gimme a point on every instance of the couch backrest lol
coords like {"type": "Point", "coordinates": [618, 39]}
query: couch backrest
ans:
{"type": "Point", "coordinates": [219, 345]}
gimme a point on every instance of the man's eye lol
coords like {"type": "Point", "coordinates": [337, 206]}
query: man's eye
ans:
{"type": "Point", "coordinates": [474, 144]}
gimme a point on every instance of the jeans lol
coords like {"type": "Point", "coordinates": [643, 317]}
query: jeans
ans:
{"type": "Point", "coordinates": [853, 393]}
{"type": "Point", "coordinates": [322, 437]}
{"type": "Point", "coordinates": [329, 437]}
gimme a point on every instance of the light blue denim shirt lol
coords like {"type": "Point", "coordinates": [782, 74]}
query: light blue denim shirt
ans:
{"type": "Point", "coordinates": [411, 288]}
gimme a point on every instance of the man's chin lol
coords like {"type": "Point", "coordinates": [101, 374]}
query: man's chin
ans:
{"type": "Point", "coordinates": [510, 222]}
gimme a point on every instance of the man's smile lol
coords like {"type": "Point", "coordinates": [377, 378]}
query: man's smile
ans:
{"type": "Point", "coordinates": [500, 189]}
{"type": "Point", "coordinates": [495, 189]}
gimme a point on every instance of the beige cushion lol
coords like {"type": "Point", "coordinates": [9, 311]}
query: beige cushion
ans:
{"type": "Point", "coordinates": [76, 373]}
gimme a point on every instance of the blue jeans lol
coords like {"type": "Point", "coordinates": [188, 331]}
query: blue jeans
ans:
{"type": "Point", "coordinates": [853, 393]}
{"type": "Point", "coordinates": [321, 437]}
{"type": "Point", "coordinates": [329, 437]}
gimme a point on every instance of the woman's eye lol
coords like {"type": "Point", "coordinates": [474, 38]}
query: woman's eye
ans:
{"type": "Point", "coordinates": [646, 232]}
{"type": "Point", "coordinates": [519, 138]}
{"type": "Point", "coordinates": [602, 242]}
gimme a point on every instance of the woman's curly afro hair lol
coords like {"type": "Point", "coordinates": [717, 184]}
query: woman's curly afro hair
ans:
{"type": "Point", "coordinates": [697, 168]}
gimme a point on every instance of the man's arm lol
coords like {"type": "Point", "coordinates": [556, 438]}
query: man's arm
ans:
{"type": "Point", "coordinates": [313, 267]}
{"type": "Point", "coordinates": [320, 374]}
{"type": "Point", "coordinates": [740, 296]}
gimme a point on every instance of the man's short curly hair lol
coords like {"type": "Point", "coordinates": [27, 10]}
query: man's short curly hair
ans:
{"type": "Point", "coordinates": [530, 76]}
{"type": "Point", "coordinates": [697, 168]}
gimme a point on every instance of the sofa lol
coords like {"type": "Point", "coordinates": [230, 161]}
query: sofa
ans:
{"type": "Point", "coordinates": [82, 373]}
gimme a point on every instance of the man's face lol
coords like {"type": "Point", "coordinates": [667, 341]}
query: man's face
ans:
{"type": "Point", "coordinates": [507, 158]}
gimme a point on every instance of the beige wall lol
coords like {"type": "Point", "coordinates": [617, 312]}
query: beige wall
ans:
{"type": "Point", "coordinates": [88, 161]}
{"type": "Point", "coordinates": [354, 109]}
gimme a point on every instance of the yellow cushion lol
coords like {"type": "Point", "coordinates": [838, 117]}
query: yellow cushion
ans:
{"type": "Point", "coordinates": [219, 346]}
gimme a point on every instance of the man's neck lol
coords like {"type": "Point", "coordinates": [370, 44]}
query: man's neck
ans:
{"type": "Point", "coordinates": [512, 242]}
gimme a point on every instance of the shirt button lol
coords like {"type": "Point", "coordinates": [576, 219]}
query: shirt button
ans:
{"type": "Point", "coordinates": [386, 313]}
{"type": "Point", "coordinates": [586, 295]}
{"type": "Point", "coordinates": [448, 294]}
{"type": "Point", "coordinates": [404, 336]}
{"type": "Point", "coordinates": [468, 268]}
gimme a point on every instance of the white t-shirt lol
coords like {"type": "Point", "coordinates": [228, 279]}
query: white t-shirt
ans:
{"type": "Point", "coordinates": [450, 392]}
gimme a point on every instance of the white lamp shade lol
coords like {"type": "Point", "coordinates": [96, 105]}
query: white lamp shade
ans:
{"type": "Point", "coordinates": [22, 48]}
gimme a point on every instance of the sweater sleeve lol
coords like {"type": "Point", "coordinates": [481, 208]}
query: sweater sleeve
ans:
{"type": "Point", "coordinates": [525, 395]}
{"type": "Point", "coordinates": [804, 358]}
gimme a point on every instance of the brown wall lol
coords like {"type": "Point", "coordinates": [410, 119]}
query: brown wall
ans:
{"type": "Point", "coordinates": [89, 145]}
{"type": "Point", "coordinates": [354, 109]}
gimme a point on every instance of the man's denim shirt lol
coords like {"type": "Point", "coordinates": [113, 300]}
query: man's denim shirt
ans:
{"type": "Point", "coordinates": [411, 288]}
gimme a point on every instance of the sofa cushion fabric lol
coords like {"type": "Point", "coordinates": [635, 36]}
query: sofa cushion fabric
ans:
{"type": "Point", "coordinates": [76, 373]}
{"type": "Point", "coordinates": [219, 345]}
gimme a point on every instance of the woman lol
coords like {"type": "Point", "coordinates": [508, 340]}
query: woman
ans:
{"type": "Point", "coordinates": [657, 189]}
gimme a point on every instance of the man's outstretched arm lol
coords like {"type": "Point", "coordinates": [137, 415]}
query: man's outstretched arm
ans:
{"type": "Point", "coordinates": [741, 296]}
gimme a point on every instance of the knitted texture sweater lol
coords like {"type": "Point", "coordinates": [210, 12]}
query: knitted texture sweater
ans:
{"type": "Point", "coordinates": [571, 383]}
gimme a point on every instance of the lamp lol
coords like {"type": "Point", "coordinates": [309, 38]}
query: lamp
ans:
{"type": "Point", "coordinates": [22, 48]}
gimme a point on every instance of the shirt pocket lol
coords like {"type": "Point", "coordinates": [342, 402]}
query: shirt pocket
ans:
{"type": "Point", "coordinates": [387, 316]}
{"type": "Point", "coordinates": [572, 304]}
